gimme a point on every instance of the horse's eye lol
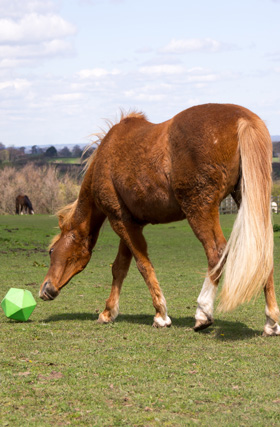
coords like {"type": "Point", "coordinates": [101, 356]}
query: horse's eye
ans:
{"type": "Point", "coordinates": [50, 251]}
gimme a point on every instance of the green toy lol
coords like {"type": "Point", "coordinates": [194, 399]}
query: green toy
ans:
{"type": "Point", "coordinates": [18, 304]}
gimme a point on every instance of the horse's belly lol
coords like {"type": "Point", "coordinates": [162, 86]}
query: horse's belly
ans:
{"type": "Point", "coordinates": [155, 206]}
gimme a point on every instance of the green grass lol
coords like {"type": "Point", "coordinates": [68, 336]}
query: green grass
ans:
{"type": "Point", "coordinates": [62, 368]}
{"type": "Point", "coordinates": [66, 160]}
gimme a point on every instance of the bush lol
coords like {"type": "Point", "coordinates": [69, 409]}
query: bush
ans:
{"type": "Point", "coordinates": [45, 188]}
{"type": "Point", "coordinates": [276, 188]}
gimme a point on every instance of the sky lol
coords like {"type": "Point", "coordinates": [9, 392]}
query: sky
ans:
{"type": "Point", "coordinates": [67, 65]}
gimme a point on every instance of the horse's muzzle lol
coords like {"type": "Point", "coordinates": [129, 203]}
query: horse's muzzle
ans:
{"type": "Point", "coordinates": [48, 292]}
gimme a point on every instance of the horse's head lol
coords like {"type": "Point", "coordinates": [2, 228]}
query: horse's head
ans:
{"type": "Point", "coordinates": [70, 252]}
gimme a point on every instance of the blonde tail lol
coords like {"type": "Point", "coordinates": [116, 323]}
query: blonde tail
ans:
{"type": "Point", "coordinates": [249, 251]}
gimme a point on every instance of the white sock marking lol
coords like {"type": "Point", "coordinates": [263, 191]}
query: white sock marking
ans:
{"type": "Point", "coordinates": [206, 300]}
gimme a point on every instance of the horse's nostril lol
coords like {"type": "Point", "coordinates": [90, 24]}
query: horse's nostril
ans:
{"type": "Point", "coordinates": [44, 286]}
{"type": "Point", "coordinates": [48, 291]}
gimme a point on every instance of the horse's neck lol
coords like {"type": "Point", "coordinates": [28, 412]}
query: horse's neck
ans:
{"type": "Point", "coordinates": [87, 216]}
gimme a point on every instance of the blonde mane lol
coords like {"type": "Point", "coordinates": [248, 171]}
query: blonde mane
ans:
{"type": "Point", "coordinates": [65, 214]}
{"type": "Point", "coordinates": [103, 132]}
{"type": "Point", "coordinates": [64, 219]}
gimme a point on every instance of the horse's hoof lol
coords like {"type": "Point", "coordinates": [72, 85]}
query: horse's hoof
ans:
{"type": "Point", "coordinates": [270, 331]}
{"type": "Point", "coordinates": [199, 325]}
{"type": "Point", "coordinates": [156, 325]}
{"type": "Point", "coordinates": [159, 322]}
{"type": "Point", "coordinates": [103, 320]}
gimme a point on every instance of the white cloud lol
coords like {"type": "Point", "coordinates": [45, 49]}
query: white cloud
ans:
{"type": "Point", "coordinates": [91, 2]}
{"type": "Point", "coordinates": [203, 78]}
{"type": "Point", "coordinates": [143, 50]}
{"type": "Point", "coordinates": [191, 75]}
{"type": "Point", "coordinates": [192, 45]}
{"type": "Point", "coordinates": [30, 35]}
{"type": "Point", "coordinates": [149, 92]}
{"type": "Point", "coordinates": [275, 56]}
{"type": "Point", "coordinates": [67, 97]}
{"type": "Point", "coordinates": [56, 47]}
{"type": "Point", "coordinates": [34, 28]}
{"type": "Point", "coordinates": [164, 69]}
{"type": "Point", "coordinates": [16, 8]}
{"type": "Point", "coordinates": [12, 56]}
{"type": "Point", "coordinates": [9, 63]}
{"type": "Point", "coordinates": [144, 96]}
{"type": "Point", "coordinates": [17, 84]}
{"type": "Point", "coordinates": [168, 81]}
{"type": "Point", "coordinates": [96, 73]}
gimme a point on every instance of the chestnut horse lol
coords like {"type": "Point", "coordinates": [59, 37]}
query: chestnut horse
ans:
{"type": "Point", "coordinates": [146, 173]}
{"type": "Point", "coordinates": [23, 205]}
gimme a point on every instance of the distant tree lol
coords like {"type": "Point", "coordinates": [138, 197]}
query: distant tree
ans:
{"type": "Point", "coordinates": [34, 149]}
{"type": "Point", "coordinates": [89, 152]}
{"type": "Point", "coordinates": [4, 155]}
{"type": "Point", "coordinates": [77, 151]}
{"type": "Point", "coordinates": [2, 146]}
{"type": "Point", "coordinates": [14, 153]}
{"type": "Point", "coordinates": [65, 152]}
{"type": "Point", "coordinates": [51, 152]}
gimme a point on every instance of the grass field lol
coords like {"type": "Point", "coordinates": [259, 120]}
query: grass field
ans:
{"type": "Point", "coordinates": [66, 160]}
{"type": "Point", "coordinates": [62, 368]}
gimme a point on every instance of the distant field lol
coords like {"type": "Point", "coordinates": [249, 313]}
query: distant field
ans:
{"type": "Point", "coordinates": [62, 368]}
{"type": "Point", "coordinates": [67, 160]}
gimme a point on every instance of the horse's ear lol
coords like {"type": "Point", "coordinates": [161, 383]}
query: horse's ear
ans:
{"type": "Point", "coordinates": [60, 221]}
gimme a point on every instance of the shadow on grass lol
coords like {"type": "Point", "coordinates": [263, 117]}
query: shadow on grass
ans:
{"type": "Point", "coordinates": [222, 330]}
{"type": "Point", "coordinates": [71, 316]}
{"type": "Point", "coordinates": [232, 331]}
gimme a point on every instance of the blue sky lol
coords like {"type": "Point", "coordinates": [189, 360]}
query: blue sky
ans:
{"type": "Point", "coordinates": [65, 65]}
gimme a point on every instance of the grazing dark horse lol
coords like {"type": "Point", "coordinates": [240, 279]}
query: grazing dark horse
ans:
{"type": "Point", "coordinates": [157, 173]}
{"type": "Point", "coordinates": [23, 205]}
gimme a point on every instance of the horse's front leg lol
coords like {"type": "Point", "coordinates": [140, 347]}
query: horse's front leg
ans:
{"type": "Point", "coordinates": [132, 234]}
{"type": "Point", "coordinates": [271, 327]}
{"type": "Point", "coordinates": [146, 269]}
{"type": "Point", "coordinates": [119, 271]}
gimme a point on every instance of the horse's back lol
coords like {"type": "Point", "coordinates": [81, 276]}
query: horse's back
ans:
{"type": "Point", "coordinates": [20, 199]}
{"type": "Point", "coordinates": [207, 131]}
{"type": "Point", "coordinates": [153, 169]}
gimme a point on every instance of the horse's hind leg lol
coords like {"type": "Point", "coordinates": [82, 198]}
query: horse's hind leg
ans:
{"type": "Point", "coordinates": [132, 234]}
{"type": "Point", "coordinates": [205, 304]}
{"type": "Point", "coordinates": [208, 230]}
{"type": "Point", "coordinates": [119, 271]}
{"type": "Point", "coordinates": [271, 327]}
